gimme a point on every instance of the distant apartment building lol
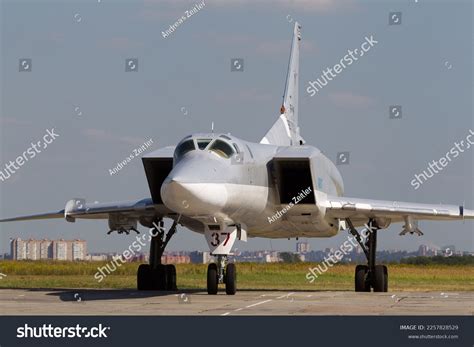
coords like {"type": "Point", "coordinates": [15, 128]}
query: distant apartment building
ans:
{"type": "Point", "coordinates": [200, 257]}
{"type": "Point", "coordinates": [96, 257]}
{"type": "Point", "coordinates": [48, 249]}
{"type": "Point", "coordinates": [429, 251]}
{"type": "Point", "coordinates": [175, 259]}
{"type": "Point", "coordinates": [423, 250]}
{"type": "Point", "coordinates": [256, 257]}
{"type": "Point", "coordinates": [302, 247]}
{"type": "Point", "coordinates": [272, 257]}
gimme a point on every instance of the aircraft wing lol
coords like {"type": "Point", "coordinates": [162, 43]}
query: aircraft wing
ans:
{"type": "Point", "coordinates": [122, 215]}
{"type": "Point", "coordinates": [360, 210]}
{"type": "Point", "coordinates": [49, 215]}
{"type": "Point", "coordinates": [78, 208]}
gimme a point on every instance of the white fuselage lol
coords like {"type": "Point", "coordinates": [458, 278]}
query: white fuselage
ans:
{"type": "Point", "coordinates": [211, 189]}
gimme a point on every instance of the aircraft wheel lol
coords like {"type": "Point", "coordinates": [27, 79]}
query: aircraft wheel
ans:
{"type": "Point", "coordinates": [379, 279]}
{"type": "Point", "coordinates": [144, 277]}
{"type": "Point", "coordinates": [361, 284]}
{"type": "Point", "coordinates": [171, 277]}
{"type": "Point", "coordinates": [230, 279]}
{"type": "Point", "coordinates": [159, 278]}
{"type": "Point", "coordinates": [212, 280]}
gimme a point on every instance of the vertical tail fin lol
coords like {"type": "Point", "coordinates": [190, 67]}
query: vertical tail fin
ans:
{"type": "Point", "coordinates": [285, 131]}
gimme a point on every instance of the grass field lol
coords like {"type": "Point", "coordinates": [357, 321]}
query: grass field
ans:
{"type": "Point", "coordinates": [39, 274]}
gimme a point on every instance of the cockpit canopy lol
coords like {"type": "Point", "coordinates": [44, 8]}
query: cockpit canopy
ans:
{"type": "Point", "coordinates": [220, 145]}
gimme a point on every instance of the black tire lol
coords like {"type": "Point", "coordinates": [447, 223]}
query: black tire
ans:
{"type": "Point", "coordinates": [361, 284]}
{"type": "Point", "coordinates": [212, 281]}
{"type": "Point", "coordinates": [385, 271]}
{"type": "Point", "coordinates": [171, 277]}
{"type": "Point", "coordinates": [144, 277]}
{"type": "Point", "coordinates": [230, 279]}
{"type": "Point", "coordinates": [159, 281]}
{"type": "Point", "coordinates": [378, 278]}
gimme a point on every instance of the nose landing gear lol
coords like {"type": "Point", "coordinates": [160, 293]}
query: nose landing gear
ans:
{"type": "Point", "coordinates": [220, 239]}
{"type": "Point", "coordinates": [221, 273]}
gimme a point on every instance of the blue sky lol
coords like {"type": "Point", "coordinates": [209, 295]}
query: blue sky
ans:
{"type": "Point", "coordinates": [78, 52]}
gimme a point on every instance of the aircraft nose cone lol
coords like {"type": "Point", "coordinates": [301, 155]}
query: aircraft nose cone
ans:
{"type": "Point", "coordinates": [197, 185]}
{"type": "Point", "coordinates": [193, 198]}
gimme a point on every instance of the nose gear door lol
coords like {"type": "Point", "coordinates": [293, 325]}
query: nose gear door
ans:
{"type": "Point", "coordinates": [220, 240]}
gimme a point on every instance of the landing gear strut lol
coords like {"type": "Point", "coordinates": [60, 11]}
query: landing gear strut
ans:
{"type": "Point", "coordinates": [221, 273]}
{"type": "Point", "coordinates": [155, 275]}
{"type": "Point", "coordinates": [370, 275]}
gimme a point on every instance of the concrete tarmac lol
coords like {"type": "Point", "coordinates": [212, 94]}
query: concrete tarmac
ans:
{"type": "Point", "coordinates": [245, 302]}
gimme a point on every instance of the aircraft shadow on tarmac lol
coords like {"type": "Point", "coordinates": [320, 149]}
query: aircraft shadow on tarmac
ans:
{"type": "Point", "coordinates": [120, 294]}
{"type": "Point", "coordinates": [111, 294]}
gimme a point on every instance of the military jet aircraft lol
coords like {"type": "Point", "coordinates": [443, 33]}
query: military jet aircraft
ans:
{"type": "Point", "coordinates": [227, 188]}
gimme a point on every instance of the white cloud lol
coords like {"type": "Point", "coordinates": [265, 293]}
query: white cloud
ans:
{"type": "Point", "coordinates": [350, 100]}
{"type": "Point", "coordinates": [246, 95]}
{"type": "Point", "coordinates": [120, 43]}
{"type": "Point", "coordinates": [103, 135]}
{"type": "Point", "coordinates": [4, 121]}
{"type": "Point", "coordinates": [297, 5]}
{"type": "Point", "coordinates": [305, 5]}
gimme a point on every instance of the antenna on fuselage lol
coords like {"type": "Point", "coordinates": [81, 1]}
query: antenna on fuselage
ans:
{"type": "Point", "coordinates": [212, 127]}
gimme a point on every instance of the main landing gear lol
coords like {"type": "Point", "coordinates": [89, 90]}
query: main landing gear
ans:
{"type": "Point", "coordinates": [221, 273]}
{"type": "Point", "coordinates": [370, 275]}
{"type": "Point", "coordinates": [157, 276]}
